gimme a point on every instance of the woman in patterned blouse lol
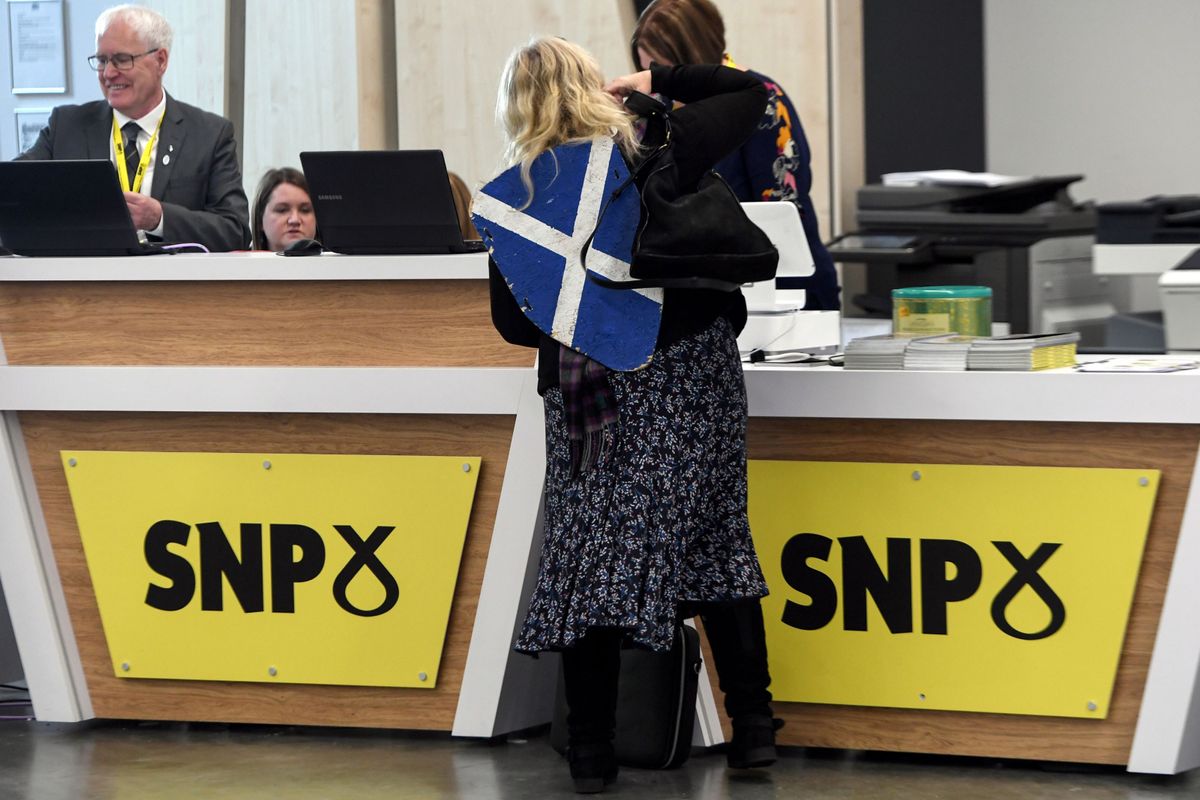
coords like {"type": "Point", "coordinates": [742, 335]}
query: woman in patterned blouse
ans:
{"type": "Point", "coordinates": [773, 164]}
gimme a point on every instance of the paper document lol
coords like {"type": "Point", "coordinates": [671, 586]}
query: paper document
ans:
{"type": "Point", "coordinates": [1140, 364]}
{"type": "Point", "coordinates": [949, 177]}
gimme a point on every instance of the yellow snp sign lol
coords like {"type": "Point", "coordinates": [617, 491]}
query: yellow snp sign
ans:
{"type": "Point", "coordinates": [967, 588]}
{"type": "Point", "coordinates": [328, 569]}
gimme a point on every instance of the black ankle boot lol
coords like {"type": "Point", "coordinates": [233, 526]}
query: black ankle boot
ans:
{"type": "Point", "coordinates": [590, 673]}
{"type": "Point", "coordinates": [593, 766]}
{"type": "Point", "coordinates": [753, 743]}
{"type": "Point", "coordinates": [739, 648]}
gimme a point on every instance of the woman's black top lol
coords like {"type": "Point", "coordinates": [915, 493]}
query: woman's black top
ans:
{"type": "Point", "coordinates": [722, 108]}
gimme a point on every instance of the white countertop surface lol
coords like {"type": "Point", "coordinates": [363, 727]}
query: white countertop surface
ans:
{"type": "Point", "coordinates": [774, 391]}
{"type": "Point", "coordinates": [247, 266]}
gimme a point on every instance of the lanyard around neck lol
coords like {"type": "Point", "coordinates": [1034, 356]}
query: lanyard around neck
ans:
{"type": "Point", "coordinates": [119, 149]}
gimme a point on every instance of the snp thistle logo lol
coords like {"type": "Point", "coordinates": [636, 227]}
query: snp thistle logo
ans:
{"type": "Point", "coordinates": [862, 576]}
{"type": "Point", "coordinates": [297, 555]}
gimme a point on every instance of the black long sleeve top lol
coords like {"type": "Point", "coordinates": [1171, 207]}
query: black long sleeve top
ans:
{"type": "Point", "coordinates": [722, 108]}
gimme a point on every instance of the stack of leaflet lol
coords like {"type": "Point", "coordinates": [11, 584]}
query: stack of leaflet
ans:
{"type": "Point", "coordinates": [946, 352]}
{"type": "Point", "coordinates": [876, 352]}
{"type": "Point", "coordinates": [1024, 351]}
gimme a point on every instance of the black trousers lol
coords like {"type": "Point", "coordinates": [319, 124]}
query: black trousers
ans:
{"type": "Point", "coordinates": [739, 650]}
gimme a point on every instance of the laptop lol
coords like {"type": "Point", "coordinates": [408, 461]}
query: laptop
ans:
{"type": "Point", "coordinates": [375, 202]}
{"type": "Point", "coordinates": [781, 222]}
{"type": "Point", "coordinates": [66, 208]}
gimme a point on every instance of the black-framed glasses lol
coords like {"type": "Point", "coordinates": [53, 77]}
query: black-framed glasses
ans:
{"type": "Point", "coordinates": [121, 61]}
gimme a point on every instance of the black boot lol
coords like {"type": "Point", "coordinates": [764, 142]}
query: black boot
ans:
{"type": "Point", "coordinates": [593, 766]}
{"type": "Point", "coordinates": [753, 743]}
{"type": "Point", "coordinates": [590, 672]}
{"type": "Point", "coordinates": [739, 648]}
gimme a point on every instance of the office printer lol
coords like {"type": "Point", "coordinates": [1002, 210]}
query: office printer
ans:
{"type": "Point", "coordinates": [1160, 234]}
{"type": "Point", "coordinates": [1156, 239]}
{"type": "Point", "coordinates": [1162, 219]}
{"type": "Point", "coordinates": [1026, 239]}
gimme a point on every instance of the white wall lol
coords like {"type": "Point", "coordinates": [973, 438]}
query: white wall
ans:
{"type": "Point", "coordinates": [195, 74]}
{"type": "Point", "coordinates": [1107, 88]}
{"type": "Point", "coordinates": [79, 26]}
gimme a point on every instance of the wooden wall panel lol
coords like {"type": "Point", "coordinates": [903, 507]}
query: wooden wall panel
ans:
{"type": "Point", "coordinates": [448, 70]}
{"type": "Point", "coordinates": [194, 74]}
{"type": "Point", "coordinates": [48, 433]}
{"type": "Point", "coordinates": [302, 89]}
{"type": "Point", "coordinates": [448, 63]}
{"type": "Point", "coordinates": [375, 47]}
{"type": "Point", "coordinates": [847, 147]}
{"type": "Point", "coordinates": [1170, 448]}
{"type": "Point", "coordinates": [264, 323]}
{"type": "Point", "coordinates": [789, 42]}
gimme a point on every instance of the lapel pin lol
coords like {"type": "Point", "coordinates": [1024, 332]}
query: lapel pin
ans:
{"type": "Point", "coordinates": [166, 160]}
{"type": "Point", "coordinates": [170, 148]}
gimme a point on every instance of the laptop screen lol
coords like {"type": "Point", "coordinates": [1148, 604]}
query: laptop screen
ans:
{"type": "Point", "coordinates": [64, 208]}
{"type": "Point", "coordinates": [383, 201]}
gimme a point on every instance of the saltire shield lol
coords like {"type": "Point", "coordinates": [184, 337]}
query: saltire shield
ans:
{"type": "Point", "coordinates": [537, 250]}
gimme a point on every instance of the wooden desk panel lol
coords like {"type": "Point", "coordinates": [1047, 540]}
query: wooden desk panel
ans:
{"type": "Point", "coordinates": [1169, 448]}
{"type": "Point", "coordinates": [46, 434]}
{"type": "Point", "coordinates": [401, 323]}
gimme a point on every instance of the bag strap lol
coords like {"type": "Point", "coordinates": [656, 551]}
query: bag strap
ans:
{"type": "Point", "coordinates": [642, 105]}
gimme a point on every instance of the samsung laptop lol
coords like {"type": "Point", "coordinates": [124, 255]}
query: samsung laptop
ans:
{"type": "Point", "coordinates": [66, 208]}
{"type": "Point", "coordinates": [374, 202]}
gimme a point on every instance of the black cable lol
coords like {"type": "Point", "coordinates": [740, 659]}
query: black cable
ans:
{"type": "Point", "coordinates": [14, 687]}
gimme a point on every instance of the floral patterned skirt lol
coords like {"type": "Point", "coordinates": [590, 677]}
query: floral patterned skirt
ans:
{"type": "Point", "coordinates": [661, 518]}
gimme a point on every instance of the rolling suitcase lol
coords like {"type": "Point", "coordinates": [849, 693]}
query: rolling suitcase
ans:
{"type": "Point", "coordinates": [656, 704]}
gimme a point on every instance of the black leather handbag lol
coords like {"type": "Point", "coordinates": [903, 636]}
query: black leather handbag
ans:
{"type": "Point", "coordinates": [656, 704]}
{"type": "Point", "coordinates": [695, 237]}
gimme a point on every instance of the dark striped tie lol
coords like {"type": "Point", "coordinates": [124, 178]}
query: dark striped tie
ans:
{"type": "Point", "coordinates": [132, 157]}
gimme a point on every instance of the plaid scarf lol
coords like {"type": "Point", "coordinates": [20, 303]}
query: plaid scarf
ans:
{"type": "Point", "coordinates": [589, 406]}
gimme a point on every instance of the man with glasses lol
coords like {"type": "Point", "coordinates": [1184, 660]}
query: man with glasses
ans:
{"type": "Point", "coordinates": [177, 164]}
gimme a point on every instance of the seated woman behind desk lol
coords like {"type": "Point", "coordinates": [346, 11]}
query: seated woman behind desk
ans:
{"type": "Point", "coordinates": [283, 210]}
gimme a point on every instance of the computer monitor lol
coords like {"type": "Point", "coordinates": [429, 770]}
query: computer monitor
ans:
{"type": "Point", "coordinates": [65, 208]}
{"type": "Point", "coordinates": [374, 202]}
{"type": "Point", "coordinates": [781, 222]}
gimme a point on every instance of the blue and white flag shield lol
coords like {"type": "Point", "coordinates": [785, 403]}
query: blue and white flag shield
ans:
{"type": "Point", "coordinates": [537, 250]}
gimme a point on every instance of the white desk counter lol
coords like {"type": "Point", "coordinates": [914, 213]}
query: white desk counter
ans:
{"type": "Point", "coordinates": [70, 386]}
{"type": "Point", "coordinates": [248, 266]}
{"type": "Point", "coordinates": [1062, 395]}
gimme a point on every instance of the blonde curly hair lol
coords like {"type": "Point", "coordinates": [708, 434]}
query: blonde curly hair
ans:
{"type": "Point", "coordinates": [551, 93]}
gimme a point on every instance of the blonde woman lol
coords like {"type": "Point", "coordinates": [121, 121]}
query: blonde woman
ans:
{"type": "Point", "coordinates": [650, 525]}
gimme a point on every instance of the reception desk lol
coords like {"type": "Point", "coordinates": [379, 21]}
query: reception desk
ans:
{"type": "Point", "coordinates": [1057, 419]}
{"type": "Point", "coordinates": [255, 353]}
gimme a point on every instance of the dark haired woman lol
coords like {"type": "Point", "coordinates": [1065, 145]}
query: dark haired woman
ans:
{"type": "Point", "coordinates": [283, 210]}
{"type": "Point", "coordinates": [773, 164]}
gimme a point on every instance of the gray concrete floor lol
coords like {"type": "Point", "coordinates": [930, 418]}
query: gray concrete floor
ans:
{"type": "Point", "coordinates": [180, 761]}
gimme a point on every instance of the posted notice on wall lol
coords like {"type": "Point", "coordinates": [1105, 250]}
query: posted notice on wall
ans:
{"type": "Point", "coordinates": [37, 46]}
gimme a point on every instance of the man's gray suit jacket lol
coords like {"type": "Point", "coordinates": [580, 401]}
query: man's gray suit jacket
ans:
{"type": "Point", "coordinates": [199, 186]}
